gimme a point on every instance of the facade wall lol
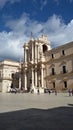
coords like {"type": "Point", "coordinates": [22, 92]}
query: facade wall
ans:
{"type": "Point", "coordinates": [7, 69]}
{"type": "Point", "coordinates": [5, 85]}
{"type": "Point", "coordinates": [62, 64]}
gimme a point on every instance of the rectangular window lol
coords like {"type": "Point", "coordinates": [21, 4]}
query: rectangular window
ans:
{"type": "Point", "coordinates": [52, 56]}
{"type": "Point", "coordinates": [65, 84]}
{"type": "Point", "coordinates": [53, 72]}
{"type": "Point", "coordinates": [64, 69]}
{"type": "Point", "coordinates": [53, 85]}
{"type": "Point", "coordinates": [63, 52]}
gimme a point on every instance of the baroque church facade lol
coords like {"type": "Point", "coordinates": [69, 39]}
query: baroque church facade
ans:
{"type": "Point", "coordinates": [34, 64]}
{"type": "Point", "coordinates": [44, 67]}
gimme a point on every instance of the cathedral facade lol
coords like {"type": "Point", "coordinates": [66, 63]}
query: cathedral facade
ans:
{"type": "Point", "coordinates": [34, 64]}
{"type": "Point", "coordinates": [44, 67]}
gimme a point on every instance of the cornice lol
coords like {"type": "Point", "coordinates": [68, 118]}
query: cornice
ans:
{"type": "Point", "coordinates": [61, 58]}
{"type": "Point", "coordinates": [62, 47]}
{"type": "Point", "coordinates": [61, 76]}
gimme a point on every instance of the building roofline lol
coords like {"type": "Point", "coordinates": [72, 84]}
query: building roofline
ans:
{"type": "Point", "coordinates": [67, 45]}
{"type": "Point", "coordinates": [9, 60]}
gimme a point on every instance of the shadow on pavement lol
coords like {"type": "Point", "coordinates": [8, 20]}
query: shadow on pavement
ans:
{"type": "Point", "coordinates": [60, 118]}
{"type": "Point", "coordinates": [70, 105]}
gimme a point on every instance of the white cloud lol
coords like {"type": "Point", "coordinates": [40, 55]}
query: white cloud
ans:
{"type": "Point", "coordinates": [11, 42]}
{"type": "Point", "coordinates": [10, 45]}
{"type": "Point", "coordinates": [3, 2]}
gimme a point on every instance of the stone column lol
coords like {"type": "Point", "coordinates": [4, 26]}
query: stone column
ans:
{"type": "Point", "coordinates": [36, 78]}
{"type": "Point", "coordinates": [36, 53]}
{"type": "Point", "coordinates": [25, 55]}
{"type": "Point", "coordinates": [25, 76]}
{"type": "Point", "coordinates": [32, 52]}
{"type": "Point", "coordinates": [42, 75]}
{"type": "Point", "coordinates": [32, 78]}
{"type": "Point", "coordinates": [19, 81]}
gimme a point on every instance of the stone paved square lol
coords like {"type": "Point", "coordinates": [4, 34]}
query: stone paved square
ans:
{"type": "Point", "coordinates": [36, 112]}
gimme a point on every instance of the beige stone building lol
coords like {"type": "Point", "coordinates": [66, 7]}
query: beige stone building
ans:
{"type": "Point", "coordinates": [47, 68]}
{"type": "Point", "coordinates": [59, 64]}
{"type": "Point", "coordinates": [9, 74]}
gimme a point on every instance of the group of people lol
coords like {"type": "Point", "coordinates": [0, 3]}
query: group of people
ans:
{"type": "Point", "coordinates": [38, 91]}
{"type": "Point", "coordinates": [54, 92]}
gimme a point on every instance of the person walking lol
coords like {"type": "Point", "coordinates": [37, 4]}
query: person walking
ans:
{"type": "Point", "coordinates": [72, 92]}
{"type": "Point", "coordinates": [38, 91]}
{"type": "Point", "coordinates": [49, 92]}
{"type": "Point", "coordinates": [69, 91]}
{"type": "Point", "coordinates": [55, 92]}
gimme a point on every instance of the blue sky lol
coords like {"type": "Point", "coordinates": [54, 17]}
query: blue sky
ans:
{"type": "Point", "coordinates": [18, 18]}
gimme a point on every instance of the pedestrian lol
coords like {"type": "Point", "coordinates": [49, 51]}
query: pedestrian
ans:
{"type": "Point", "coordinates": [69, 91]}
{"type": "Point", "coordinates": [72, 92]}
{"type": "Point", "coordinates": [56, 92]}
{"type": "Point", "coordinates": [49, 92]}
{"type": "Point", "coordinates": [38, 91]}
{"type": "Point", "coordinates": [32, 91]}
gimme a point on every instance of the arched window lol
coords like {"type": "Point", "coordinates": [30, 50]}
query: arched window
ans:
{"type": "Point", "coordinates": [53, 71]}
{"type": "Point", "coordinates": [53, 85]}
{"type": "Point", "coordinates": [44, 48]}
{"type": "Point", "coordinates": [64, 69]}
{"type": "Point", "coordinates": [63, 52]}
{"type": "Point", "coordinates": [12, 75]}
{"type": "Point", "coordinates": [65, 84]}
